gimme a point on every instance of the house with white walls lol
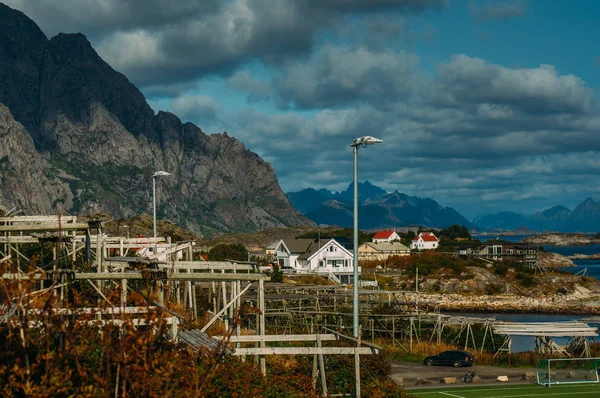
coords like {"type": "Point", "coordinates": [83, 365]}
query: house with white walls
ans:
{"type": "Point", "coordinates": [425, 241]}
{"type": "Point", "coordinates": [326, 257]}
{"type": "Point", "coordinates": [386, 236]}
{"type": "Point", "coordinates": [287, 251]}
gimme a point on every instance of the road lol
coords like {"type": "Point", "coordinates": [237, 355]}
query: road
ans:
{"type": "Point", "coordinates": [410, 372]}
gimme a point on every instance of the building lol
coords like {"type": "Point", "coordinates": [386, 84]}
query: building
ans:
{"type": "Point", "coordinates": [425, 241]}
{"type": "Point", "coordinates": [381, 251]}
{"type": "Point", "coordinates": [520, 253]}
{"type": "Point", "coordinates": [386, 236]}
{"type": "Point", "coordinates": [325, 257]}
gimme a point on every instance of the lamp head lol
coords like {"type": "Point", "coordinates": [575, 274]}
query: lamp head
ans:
{"type": "Point", "coordinates": [160, 173]}
{"type": "Point", "coordinates": [366, 140]}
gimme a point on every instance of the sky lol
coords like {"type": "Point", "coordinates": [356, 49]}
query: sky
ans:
{"type": "Point", "coordinates": [484, 106]}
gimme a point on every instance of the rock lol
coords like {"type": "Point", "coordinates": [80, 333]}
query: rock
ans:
{"type": "Point", "coordinates": [476, 379]}
{"type": "Point", "coordinates": [570, 375]}
{"type": "Point", "coordinates": [448, 380]}
{"type": "Point", "coordinates": [398, 380]}
{"type": "Point", "coordinates": [502, 378]}
{"type": "Point", "coordinates": [529, 376]}
{"type": "Point", "coordinates": [591, 375]}
{"type": "Point", "coordinates": [421, 381]}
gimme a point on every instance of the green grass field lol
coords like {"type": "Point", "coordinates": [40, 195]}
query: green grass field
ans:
{"type": "Point", "coordinates": [572, 390]}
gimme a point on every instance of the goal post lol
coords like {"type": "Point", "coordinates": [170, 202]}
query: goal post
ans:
{"type": "Point", "coordinates": [555, 371]}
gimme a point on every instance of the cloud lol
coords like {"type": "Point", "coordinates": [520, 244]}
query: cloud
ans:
{"type": "Point", "coordinates": [498, 10]}
{"type": "Point", "coordinates": [160, 41]}
{"type": "Point", "coordinates": [531, 90]}
{"type": "Point", "coordinates": [340, 76]}
{"type": "Point", "coordinates": [243, 81]}
{"type": "Point", "coordinates": [197, 107]}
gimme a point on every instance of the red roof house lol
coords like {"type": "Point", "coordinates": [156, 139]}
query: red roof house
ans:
{"type": "Point", "coordinates": [386, 236]}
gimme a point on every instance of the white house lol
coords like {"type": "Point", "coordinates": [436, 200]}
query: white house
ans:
{"type": "Point", "coordinates": [386, 236]}
{"type": "Point", "coordinates": [425, 241]}
{"type": "Point", "coordinates": [288, 250]}
{"type": "Point", "coordinates": [325, 257]}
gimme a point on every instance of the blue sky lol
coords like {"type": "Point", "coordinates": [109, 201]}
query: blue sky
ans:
{"type": "Point", "coordinates": [483, 106]}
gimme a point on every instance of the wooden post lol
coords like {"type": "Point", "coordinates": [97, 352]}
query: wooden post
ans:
{"type": "Point", "coordinates": [261, 325]}
{"type": "Point", "coordinates": [322, 367]}
{"type": "Point", "coordinates": [315, 372]}
{"type": "Point", "coordinates": [224, 293]}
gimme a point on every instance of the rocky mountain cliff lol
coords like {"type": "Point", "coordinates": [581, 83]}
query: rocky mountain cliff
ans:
{"type": "Point", "coordinates": [77, 134]}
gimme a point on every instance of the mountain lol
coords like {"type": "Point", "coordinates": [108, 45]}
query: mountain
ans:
{"type": "Point", "coordinates": [584, 218]}
{"type": "Point", "coordinates": [377, 208]}
{"type": "Point", "coordinates": [76, 134]}
{"type": "Point", "coordinates": [310, 199]}
{"type": "Point", "coordinates": [553, 219]}
{"type": "Point", "coordinates": [505, 220]}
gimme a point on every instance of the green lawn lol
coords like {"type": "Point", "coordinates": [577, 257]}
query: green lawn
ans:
{"type": "Point", "coordinates": [572, 390]}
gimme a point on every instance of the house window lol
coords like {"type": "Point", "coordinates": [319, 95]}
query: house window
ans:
{"type": "Point", "coordinates": [335, 263]}
{"type": "Point", "coordinates": [332, 248]}
{"type": "Point", "coordinates": [321, 264]}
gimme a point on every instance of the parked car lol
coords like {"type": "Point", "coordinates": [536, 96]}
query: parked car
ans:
{"type": "Point", "coordinates": [286, 269]}
{"type": "Point", "coordinates": [456, 358]}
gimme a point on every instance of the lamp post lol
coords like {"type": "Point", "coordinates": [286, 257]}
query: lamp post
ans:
{"type": "Point", "coordinates": [156, 174]}
{"type": "Point", "coordinates": [358, 142]}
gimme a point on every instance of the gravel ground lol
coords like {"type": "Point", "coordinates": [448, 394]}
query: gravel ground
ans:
{"type": "Point", "coordinates": [409, 372]}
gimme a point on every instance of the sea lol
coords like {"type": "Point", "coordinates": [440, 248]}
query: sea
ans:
{"type": "Point", "coordinates": [583, 267]}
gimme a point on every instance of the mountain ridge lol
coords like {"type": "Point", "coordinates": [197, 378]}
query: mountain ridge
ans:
{"type": "Point", "coordinates": [377, 208]}
{"type": "Point", "coordinates": [397, 209]}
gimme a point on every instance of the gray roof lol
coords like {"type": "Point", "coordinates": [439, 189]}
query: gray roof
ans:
{"type": "Point", "coordinates": [298, 245]}
{"type": "Point", "coordinates": [313, 248]}
{"type": "Point", "coordinates": [273, 245]}
{"type": "Point", "coordinates": [388, 246]}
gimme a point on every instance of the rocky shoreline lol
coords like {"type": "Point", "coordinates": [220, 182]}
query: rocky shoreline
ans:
{"type": "Point", "coordinates": [580, 302]}
{"type": "Point", "coordinates": [559, 239]}
{"type": "Point", "coordinates": [585, 256]}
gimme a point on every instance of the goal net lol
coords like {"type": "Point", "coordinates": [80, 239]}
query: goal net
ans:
{"type": "Point", "coordinates": [567, 371]}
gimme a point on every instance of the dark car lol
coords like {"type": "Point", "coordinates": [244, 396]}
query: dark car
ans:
{"type": "Point", "coordinates": [286, 269]}
{"type": "Point", "coordinates": [451, 358]}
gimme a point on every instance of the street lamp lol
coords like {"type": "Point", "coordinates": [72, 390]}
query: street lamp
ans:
{"type": "Point", "coordinates": [358, 142]}
{"type": "Point", "coordinates": [157, 174]}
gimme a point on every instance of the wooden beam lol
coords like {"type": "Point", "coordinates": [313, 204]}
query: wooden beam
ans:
{"type": "Point", "coordinates": [304, 351]}
{"type": "Point", "coordinates": [277, 338]}
{"type": "Point", "coordinates": [177, 276]}
{"type": "Point", "coordinates": [79, 226]}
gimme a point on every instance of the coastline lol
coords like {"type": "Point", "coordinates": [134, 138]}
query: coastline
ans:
{"type": "Point", "coordinates": [579, 303]}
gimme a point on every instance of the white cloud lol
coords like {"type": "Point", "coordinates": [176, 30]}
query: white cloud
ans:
{"type": "Point", "coordinates": [533, 90]}
{"type": "Point", "coordinates": [197, 108]}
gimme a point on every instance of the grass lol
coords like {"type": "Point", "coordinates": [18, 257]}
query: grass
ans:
{"type": "Point", "coordinates": [571, 390]}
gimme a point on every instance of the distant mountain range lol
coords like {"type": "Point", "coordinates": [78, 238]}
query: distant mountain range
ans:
{"type": "Point", "coordinates": [377, 208]}
{"type": "Point", "coordinates": [584, 218]}
{"type": "Point", "coordinates": [380, 209]}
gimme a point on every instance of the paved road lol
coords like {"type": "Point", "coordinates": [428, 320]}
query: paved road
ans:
{"type": "Point", "coordinates": [410, 372]}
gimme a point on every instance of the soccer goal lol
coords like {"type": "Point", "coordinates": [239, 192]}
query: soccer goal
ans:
{"type": "Point", "coordinates": [567, 371]}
